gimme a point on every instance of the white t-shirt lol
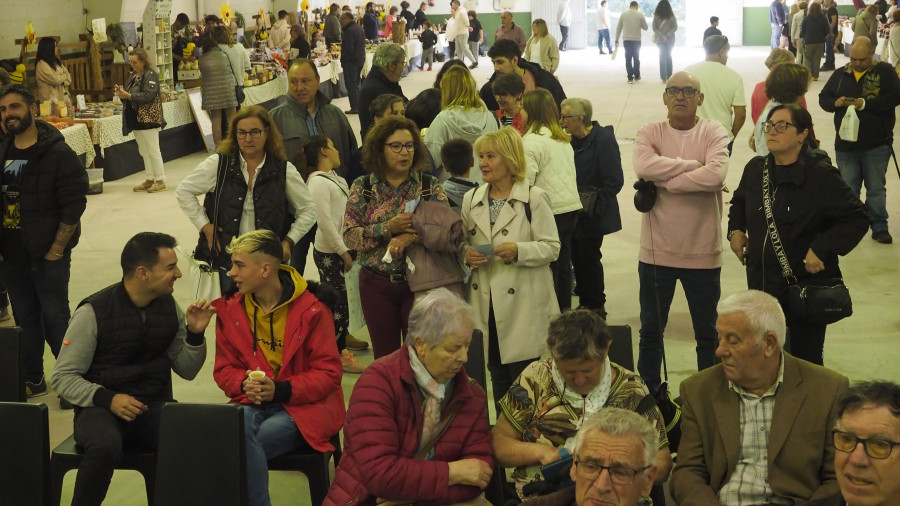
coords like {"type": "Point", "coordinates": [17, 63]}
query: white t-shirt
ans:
{"type": "Point", "coordinates": [722, 89]}
{"type": "Point", "coordinates": [602, 18]}
{"type": "Point", "coordinates": [534, 55]}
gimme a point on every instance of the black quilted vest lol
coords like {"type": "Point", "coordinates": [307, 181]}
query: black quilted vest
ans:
{"type": "Point", "coordinates": [270, 203]}
{"type": "Point", "coordinates": [131, 350]}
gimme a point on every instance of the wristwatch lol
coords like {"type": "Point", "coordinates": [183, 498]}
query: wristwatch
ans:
{"type": "Point", "coordinates": [731, 233]}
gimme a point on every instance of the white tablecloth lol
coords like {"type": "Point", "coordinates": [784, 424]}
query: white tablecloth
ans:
{"type": "Point", "coordinates": [79, 139]}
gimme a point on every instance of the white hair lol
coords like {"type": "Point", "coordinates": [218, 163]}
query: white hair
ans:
{"type": "Point", "coordinates": [618, 422]}
{"type": "Point", "coordinates": [388, 53]}
{"type": "Point", "coordinates": [437, 315]}
{"type": "Point", "coordinates": [763, 311]}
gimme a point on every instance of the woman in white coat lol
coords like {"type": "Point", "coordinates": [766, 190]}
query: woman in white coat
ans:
{"type": "Point", "coordinates": [551, 167]}
{"type": "Point", "coordinates": [510, 241]}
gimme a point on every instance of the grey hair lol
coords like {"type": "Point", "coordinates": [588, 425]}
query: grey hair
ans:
{"type": "Point", "coordinates": [618, 422]}
{"type": "Point", "coordinates": [763, 311]}
{"type": "Point", "coordinates": [580, 107]}
{"type": "Point", "coordinates": [388, 53]}
{"type": "Point", "coordinates": [438, 314]}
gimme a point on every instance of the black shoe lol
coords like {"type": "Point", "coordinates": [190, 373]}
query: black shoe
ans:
{"type": "Point", "coordinates": [64, 404]}
{"type": "Point", "coordinates": [630, 80]}
{"type": "Point", "coordinates": [884, 237]}
{"type": "Point", "coordinates": [35, 389]}
{"type": "Point", "coordinates": [637, 78]}
{"type": "Point", "coordinates": [601, 52]}
{"type": "Point", "coordinates": [827, 68]}
{"type": "Point", "coordinates": [474, 65]}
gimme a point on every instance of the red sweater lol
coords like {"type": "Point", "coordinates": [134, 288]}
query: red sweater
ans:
{"type": "Point", "coordinates": [381, 438]}
{"type": "Point", "coordinates": [311, 364]}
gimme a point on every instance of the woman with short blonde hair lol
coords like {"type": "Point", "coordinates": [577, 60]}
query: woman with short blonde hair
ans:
{"type": "Point", "coordinates": [541, 47]}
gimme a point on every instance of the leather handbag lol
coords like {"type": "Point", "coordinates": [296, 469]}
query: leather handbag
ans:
{"type": "Point", "coordinates": [818, 300]}
{"type": "Point", "coordinates": [588, 196]}
{"type": "Point", "coordinates": [151, 113]}
{"type": "Point", "coordinates": [238, 88]}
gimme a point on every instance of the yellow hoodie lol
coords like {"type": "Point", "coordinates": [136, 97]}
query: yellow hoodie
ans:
{"type": "Point", "coordinates": [268, 328]}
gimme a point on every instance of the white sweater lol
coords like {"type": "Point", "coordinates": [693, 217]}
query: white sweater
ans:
{"type": "Point", "coordinates": [329, 191]}
{"type": "Point", "coordinates": [551, 167]}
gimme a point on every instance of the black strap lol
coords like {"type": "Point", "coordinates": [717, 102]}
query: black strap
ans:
{"type": "Point", "coordinates": [232, 68]}
{"type": "Point", "coordinates": [438, 431]}
{"type": "Point", "coordinates": [336, 184]}
{"type": "Point", "coordinates": [773, 229]}
{"type": "Point", "coordinates": [220, 182]}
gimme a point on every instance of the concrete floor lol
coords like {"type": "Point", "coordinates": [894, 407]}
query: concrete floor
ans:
{"type": "Point", "coordinates": [862, 347]}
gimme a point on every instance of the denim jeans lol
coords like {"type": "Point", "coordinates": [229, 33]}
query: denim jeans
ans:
{"type": "Point", "coordinates": [665, 59]}
{"type": "Point", "coordinates": [829, 52]}
{"type": "Point", "coordinates": [564, 37]}
{"type": "Point", "coordinates": [776, 35]}
{"type": "Point", "coordinates": [269, 431]}
{"type": "Point", "coordinates": [603, 36]}
{"type": "Point", "coordinates": [39, 293]}
{"type": "Point", "coordinates": [702, 290]}
{"type": "Point", "coordinates": [867, 166]}
{"type": "Point", "coordinates": [633, 58]}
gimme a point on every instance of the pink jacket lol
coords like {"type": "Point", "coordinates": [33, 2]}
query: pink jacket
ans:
{"type": "Point", "coordinates": [684, 228]}
{"type": "Point", "coordinates": [381, 438]}
{"type": "Point", "coordinates": [311, 364]}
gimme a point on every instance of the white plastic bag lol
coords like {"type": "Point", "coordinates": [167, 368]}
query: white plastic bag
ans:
{"type": "Point", "coordinates": [849, 125]}
{"type": "Point", "coordinates": [204, 280]}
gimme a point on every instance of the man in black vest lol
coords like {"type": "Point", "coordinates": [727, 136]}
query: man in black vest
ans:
{"type": "Point", "coordinates": [117, 355]}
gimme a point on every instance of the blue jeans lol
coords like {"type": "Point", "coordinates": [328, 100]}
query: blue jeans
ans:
{"type": "Point", "coordinates": [603, 36]}
{"type": "Point", "coordinates": [633, 58]}
{"type": "Point", "coordinates": [776, 35]}
{"type": "Point", "coordinates": [665, 59]}
{"type": "Point", "coordinates": [868, 166]}
{"type": "Point", "coordinates": [702, 290]}
{"type": "Point", "coordinates": [39, 293]}
{"type": "Point", "coordinates": [269, 431]}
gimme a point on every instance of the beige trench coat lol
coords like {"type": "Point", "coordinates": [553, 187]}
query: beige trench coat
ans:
{"type": "Point", "coordinates": [522, 293]}
{"type": "Point", "coordinates": [52, 82]}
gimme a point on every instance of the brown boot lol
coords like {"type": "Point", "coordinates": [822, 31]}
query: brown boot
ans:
{"type": "Point", "coordinates": [356, 344]}
{"type": "Point", "coordinates": [158, 186]}
{"type": "Point", "coordinates": [143, 186]}
{"type": "Point", "coordinates": [350, 365]}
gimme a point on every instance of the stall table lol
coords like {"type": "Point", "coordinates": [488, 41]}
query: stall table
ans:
{"type": "Point", "coordinates": [78, 137]}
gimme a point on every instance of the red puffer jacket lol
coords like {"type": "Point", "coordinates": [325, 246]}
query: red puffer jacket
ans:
{"type": "Point", "coordinates": [311, 363]}
{"type": "Point", "coordinates": [381, 438]}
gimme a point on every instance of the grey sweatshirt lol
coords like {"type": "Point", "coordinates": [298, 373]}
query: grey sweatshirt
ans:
{"type": "Point", "coordinates": [78, 351]}
{"type": "Point", "coordinates": [630, 25]}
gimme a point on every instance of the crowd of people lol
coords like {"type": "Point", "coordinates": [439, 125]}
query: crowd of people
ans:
{"type": "Point", "coordinates": [461, 207]}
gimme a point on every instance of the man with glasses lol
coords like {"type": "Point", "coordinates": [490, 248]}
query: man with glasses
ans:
{"type": "Point", "coordinates": [387, 69]}
{"type": "Point", "coordinates": [686, 159]}
{"type": "Point", "coordinates": [613, 462]}
{"type": "Point", "coordinates": [723, 88]}
{"type": "Point", "coordinates": [865, 436]}
{"type": "Point", "coordinates": [873, 88]}
{"type": "Point", "coordinates": [756, 428]}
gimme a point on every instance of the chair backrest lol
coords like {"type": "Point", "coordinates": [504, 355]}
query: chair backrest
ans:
{"type": "Point", "coordinates": [12, 365]}
{"type": "Point", "coordinates": [620, 351]}
{"type": "Point", "coordinates": [201, 459]}
{"type": "Point", "coordinates": [25, 466]}
{"type": "Point", "coordinates": [475, 366]}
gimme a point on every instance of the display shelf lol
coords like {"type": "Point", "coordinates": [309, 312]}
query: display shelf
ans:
{"type": "Point", "coordinates": [157, 13]}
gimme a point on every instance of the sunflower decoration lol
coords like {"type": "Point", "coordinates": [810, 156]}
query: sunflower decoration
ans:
{"type": "Point", "coordinates": [304, 5]}
{"type": "Point", "coordinates": [227, 14]}
{"type": "Point", "coordinates": [30, 34]}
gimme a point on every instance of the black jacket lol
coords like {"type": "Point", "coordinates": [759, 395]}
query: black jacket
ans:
{"type": "Point", "coordinates": [832, 500]}
{"type": "Point", "coordinates": [880, 87]}
{"type": "Point", "coordinates": [409, 17]}
{"type": "Point", "coordinates": [428, 39]}
{"type": "Point", "coordinates": [813, 208]}
{"type": "Point", "coordinates": [598, 164]}
{"type": "Point", "coordinates": [52, 191]}
{"type": "Point", "coordinates": [353, 46]}
{"type": "Point", "coordinates": [814, 29]}
{"type": "Point", "coordinates": [420, 19]}
{"type": "Point", "coordinates": [375, 84]}
{"type": "Point", "coordinates": [370, 26]}
{"type": "Point", "coordinates": [542, 79]}
{"type": "Point", "coordinates": [144, 90]}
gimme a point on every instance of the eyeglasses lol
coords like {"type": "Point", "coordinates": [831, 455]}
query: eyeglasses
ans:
{"type": "Point", "coordinates": [620, 475]}
{"type": "Point", "coordinates": [875, 448]}
{"type": "Point", "coordinates": [397, 147]}
{"type": "Point", "coordinates": [565, 118]}
{"type": "Point", "coordinates": [688, 92]}
{"type": "Point", "coordinates": [254, 134]}
{"type": "Point", "coordinates": [779, 127]}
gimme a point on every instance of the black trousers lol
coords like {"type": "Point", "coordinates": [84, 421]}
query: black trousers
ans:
{"type": "Point", "coordinates": [104, 436]}
{"type": "Point", "coordinates": [562, 267]}
{"type": "Point", "coordinates": [586, 256]}
{"type": "Point", "coordinates": [806, 340]}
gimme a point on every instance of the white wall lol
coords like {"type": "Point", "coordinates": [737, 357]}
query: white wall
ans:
{"type": "Point", "coordinates": [49, 17]}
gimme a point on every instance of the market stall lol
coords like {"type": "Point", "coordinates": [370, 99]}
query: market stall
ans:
{"type": "Point", "coordinates": [78, 137]}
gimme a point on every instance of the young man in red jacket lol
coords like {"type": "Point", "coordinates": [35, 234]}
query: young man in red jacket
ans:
{"type": "Point", "coordinates": [274, 325]}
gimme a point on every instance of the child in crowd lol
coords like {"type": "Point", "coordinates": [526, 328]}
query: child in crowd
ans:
{"type": "Point", "coordinates": [457, 158]}
{"type": "Point", "coordinates": [713, 28]}
{"type": "Point", "coordinates": [428, 40]}
{"type": "Point", "coordinates": [508, 90]}
{"type": "Point", "coordinates": [316, 162]}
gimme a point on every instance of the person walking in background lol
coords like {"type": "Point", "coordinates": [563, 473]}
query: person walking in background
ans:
{"type": "Point", "coordinates": [353, 56]}
{"type": "Point", "coordinates": [217, 91]}
{"type": "Point", "coordinates": [141, 94]}
{"type": "Point", "coordinates": [814, 33]}
{"type": "Point", "coordinates": [332, 29]}
{"type": "Point", "coordinates": [603, 27]}
{"type": "Point", "coordinates": [461, 35]}
{"type": "Point", "coordinates": [564, 20]}
{"type": "Point", "coordinates": [664, 27]}
{"type": "Point", "coordinates": [509, 30]}
{"type": "Point", "coordinates": [631, 23]}
{"type": "Point", "coordinates": [796, 22]}
{"type": "Point", "coordinates": [776, 19]}
{"type": "Point", "coordinates": [831, 14]}
{"type": "Point", "coordinates": [476, 34]}
{"type": "Point", "coordinates": [541, 47]}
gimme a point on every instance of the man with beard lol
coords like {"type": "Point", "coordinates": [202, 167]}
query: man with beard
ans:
{"type": "Point", "coordinates": [44, 185]}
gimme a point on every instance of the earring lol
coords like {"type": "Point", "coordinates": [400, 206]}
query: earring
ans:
{"type": "Point", "coordinates": [645, 501]}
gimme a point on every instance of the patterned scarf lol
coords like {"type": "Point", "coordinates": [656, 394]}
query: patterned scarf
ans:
{"type": "Point", "coordinates": [592, 402]}
{"type": "Point", "coordinates": [434, 394]}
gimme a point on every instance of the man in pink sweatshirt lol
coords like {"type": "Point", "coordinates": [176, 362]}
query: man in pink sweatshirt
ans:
{"type": "Point", "coordinates": [686, 158]}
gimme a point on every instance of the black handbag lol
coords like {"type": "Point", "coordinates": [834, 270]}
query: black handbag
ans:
{"type": "Point", "coordinates": [818, 300]}
{"type": "Point", "coordinates": [588, 197]}
{"type": "Point", "coordinates": [644, 195]}
{"type": "Point", "coordinates": [238, 87]}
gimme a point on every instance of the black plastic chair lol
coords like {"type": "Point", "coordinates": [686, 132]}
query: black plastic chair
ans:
{"type": "Point", "coordinates": [68, 455]}
{"type": "Point", "coordinates": [201, 459]}
{"type": "Point", "coordinates": [621, 350]}
{"type": "Point", "coordinates": [25, 467]}
{"type": "Point", "coordinates": [312, 464]}
{"type": "Point", "coordinates": [12, 365]}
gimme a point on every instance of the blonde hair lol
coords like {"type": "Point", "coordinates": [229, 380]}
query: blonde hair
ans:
{"type": "Point", "coordinates": [541, 26]}
{"type": "Point", "coordinates": [542, 112]}
{"type": "Point", "coordinates": [506, 142]}
{"type": "Point", "coordinates": [257, 241]}
{"type": "Point", "coordinates": [458, 89]}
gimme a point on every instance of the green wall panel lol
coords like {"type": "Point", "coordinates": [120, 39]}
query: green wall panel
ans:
{"type": "Point", "coordinates": [758, 31]}
{"type": "Point", "coordinates": [490, 22]}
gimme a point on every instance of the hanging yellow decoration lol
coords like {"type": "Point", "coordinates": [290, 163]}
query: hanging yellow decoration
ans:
{"type": "Point", "coordinates": [226, 14]}
{"type": "Point", "coordinates": [304, 5]}
{"type": "Point", "coordinates": [30, 33]}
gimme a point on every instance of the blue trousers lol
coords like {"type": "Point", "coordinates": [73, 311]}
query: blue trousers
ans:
{"type": "Point", "coordinates": [269, 431]}
{"type": "Point", "coordinates": [867, 166]}
{"type": "Point", "coordinates": [603, 36]}
{"type": "Point", "coordinates": [702, 290]}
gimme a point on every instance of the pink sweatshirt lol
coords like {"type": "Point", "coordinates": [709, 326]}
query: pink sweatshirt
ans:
{"type": "Point", "coordinates": [686, 220]}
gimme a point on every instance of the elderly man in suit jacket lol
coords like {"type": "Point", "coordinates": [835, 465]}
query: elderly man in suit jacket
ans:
{"type": "Point", "coordinates": [757, 427]}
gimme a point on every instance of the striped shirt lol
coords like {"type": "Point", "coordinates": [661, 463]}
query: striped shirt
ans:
{"type": "Point", "coordinates": [749, 483]}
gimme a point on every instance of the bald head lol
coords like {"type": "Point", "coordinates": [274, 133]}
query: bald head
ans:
{"type": "Point", "coordinates": [861, 52]}
{"type": "Point", "coordinates": [682, 79]}
{"type": "Point", "coordinates": [862, 43]}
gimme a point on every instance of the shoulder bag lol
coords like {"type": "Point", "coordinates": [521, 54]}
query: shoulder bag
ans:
{"type": "Point", "coordinates": [238, 87]}
{"type": "Point", "coordinates": [150, 113]}
{"type": "Point", "coordinates": [818, 300]}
